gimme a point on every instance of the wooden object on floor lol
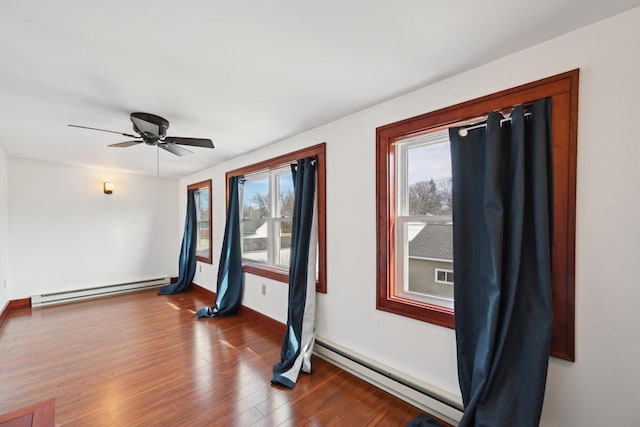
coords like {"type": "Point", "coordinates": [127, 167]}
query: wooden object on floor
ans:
{"type": "Point", "coordinates": [41, 414]}
{"type": "Point", "coordinates": [142, 359]}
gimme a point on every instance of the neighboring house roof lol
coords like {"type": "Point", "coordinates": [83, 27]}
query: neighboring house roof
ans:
{"type": "Point", "coordinates": [433, 241]}
{"type": "Point", "coordinates": [250, 226]}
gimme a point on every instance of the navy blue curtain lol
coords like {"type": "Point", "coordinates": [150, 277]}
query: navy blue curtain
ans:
{"type": "Point", "coordinates": [299, 338]}
{"type": "Point", "coordinates": [502, 265]}
{"type": "Point", "coordinates": [229, 286]}
{"type": "Point", "coordinates": [187, 260]}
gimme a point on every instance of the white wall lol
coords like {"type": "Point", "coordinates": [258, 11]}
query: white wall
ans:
{"type": "Point", "coordinates": [4, 232]}
{"type": "Point", "coordinates": [600, 388]}
{"type": "Point", "coordinates": [65, 233]}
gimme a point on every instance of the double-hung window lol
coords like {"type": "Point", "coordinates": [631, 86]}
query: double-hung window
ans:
{"type": "Point", "coordinates": [423, 226]}
{"type": "Point", "coordinates": [267, 210]}
{"type": "Point", "coordinates": [267, 207]}
{"type": "Point", "coordinates": [202, 194]}
{"type": "Point", "coordinates": [413, 198]}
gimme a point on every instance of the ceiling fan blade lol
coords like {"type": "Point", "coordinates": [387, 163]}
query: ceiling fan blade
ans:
{"type": "Point", "coordinates": [174, 149]}
{"type": "Point", "coordinates": [125, 144]}
{"type": "Point", "coordinates": [145, 126]}
{"type": "Point", "coordinates": [104, 130]}
{"type": "Point", "coordinates": [196, 142]}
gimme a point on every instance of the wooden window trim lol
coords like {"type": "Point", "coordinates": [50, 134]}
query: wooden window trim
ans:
{"type": "Point", "coordinates": [563, 89]}
{"type": "Point", "coordinates": [318, 151]}
{"type": "Point", "coordinates": [196, 186]}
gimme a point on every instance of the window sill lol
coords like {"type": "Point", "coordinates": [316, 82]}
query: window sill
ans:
{"type": "Point", "coordinates": [430, 313]}
{"type": "Point", "coordinates": [273, 274]}
{"type": "Point", "coordinates": [268, 272]}
{"type": "Point", "coordinates": [204, 260]}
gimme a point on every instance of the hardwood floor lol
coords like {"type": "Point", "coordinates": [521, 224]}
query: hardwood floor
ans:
{"type": "Point", "coordinates": [142, 359]}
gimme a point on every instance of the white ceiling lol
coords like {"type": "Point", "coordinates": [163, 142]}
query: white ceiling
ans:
{"type": "Point", "coordinates": [243, 73]}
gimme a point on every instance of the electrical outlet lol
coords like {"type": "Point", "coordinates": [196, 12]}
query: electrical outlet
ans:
{"type": "Point", "coordinates": [264, 289]}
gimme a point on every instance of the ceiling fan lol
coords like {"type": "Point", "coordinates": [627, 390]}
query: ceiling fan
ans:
{"type": "Point", "coordinates": [152, 130]}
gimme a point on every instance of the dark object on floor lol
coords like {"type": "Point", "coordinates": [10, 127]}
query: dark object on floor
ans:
{"type": "Point", "coordinates": [424, 420]}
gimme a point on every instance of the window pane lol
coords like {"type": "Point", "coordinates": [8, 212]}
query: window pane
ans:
{"type": "Point", "coordinates": [285, 195]}
{"type": "Point", "coordinates": [425, 247]}
{"type": "Point", "coordinates": [255, 239]}
{"type": "Point", "coordinates": [429, 178]}
{"type": "Point", "coordinates": [202, 215]}
{"type": "Point", "coordinates": [284, 242]}
{"type": "Point", "coordinates": [428, 256]}
{"type": "Point", "coordinates": [255, 219]}
{"type": "Point", "coordinates": [255, 198]}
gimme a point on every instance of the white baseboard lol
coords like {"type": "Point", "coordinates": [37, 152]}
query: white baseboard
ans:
{"type": "Point", "coordinates": [61, 297]}
{"type": "Point", "coordinates": [431, 399]}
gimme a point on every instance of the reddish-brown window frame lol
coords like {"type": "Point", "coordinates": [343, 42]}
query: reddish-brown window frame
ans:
{"type": "Point", "coordinates": [197, 186]}
{"type": "Point", "coordinates": [563, 90]}
{"type": "Point", "coordinates": [319, 152]}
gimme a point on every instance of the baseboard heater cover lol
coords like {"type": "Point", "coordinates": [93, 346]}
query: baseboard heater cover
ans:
{"type": "Point", "coordinates": [61, 297]}
{"type": "Point", "coordinates": [437, 402]}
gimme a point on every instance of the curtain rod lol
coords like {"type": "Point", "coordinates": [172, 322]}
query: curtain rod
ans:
{"type": "Point", "coordinates": [268, 169]}
{"type": "Point", "coordinates": [464, 131]}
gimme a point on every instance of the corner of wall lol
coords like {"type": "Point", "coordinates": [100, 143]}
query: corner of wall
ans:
{"type": "Point", "coordinates": [4, 230]}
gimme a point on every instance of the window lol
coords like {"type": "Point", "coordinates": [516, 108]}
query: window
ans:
{"type": "Point", "coordinates": [408, 211]}
{"type": "Point", "coordinates": [423, 226]}
{"type": "Point", "coordinates": [203, 215]}
{"type": "Point", "coordinates": [444, 276]}
{"type": "Point", "coordinates": [267, 207]}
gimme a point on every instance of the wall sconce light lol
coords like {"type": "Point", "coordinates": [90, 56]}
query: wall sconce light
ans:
{"type": "Point", "coordinates": [107, 186]}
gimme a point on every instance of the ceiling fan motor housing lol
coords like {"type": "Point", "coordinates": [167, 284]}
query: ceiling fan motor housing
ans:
{"type": "Point", "coordinates": [149, 126]}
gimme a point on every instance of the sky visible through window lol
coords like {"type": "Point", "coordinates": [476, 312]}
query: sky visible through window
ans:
{"type": "Point", "coordinates": [255, 187]}
{"type": "Point", "coordinates": [262, 186]}
{"type": "Point", "coordinates": [431, 161]}
{"type": "Point", "coordinates": [286, 183]}
{"type": "Point", "coordinates": [203, 200]}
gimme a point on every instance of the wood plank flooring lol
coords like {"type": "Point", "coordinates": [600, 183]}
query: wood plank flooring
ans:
{"type": "Point", "coordinates": [142, 359]}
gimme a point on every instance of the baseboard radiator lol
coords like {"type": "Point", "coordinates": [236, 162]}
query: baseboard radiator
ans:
{"type": "Point", "coordinates": [437, 402]}
{"type": "Point", "coordinates": [61, 297]}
